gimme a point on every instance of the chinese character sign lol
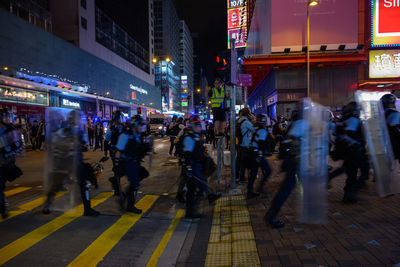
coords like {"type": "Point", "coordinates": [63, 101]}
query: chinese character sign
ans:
{"type": "Point", "coordinates": [385, 23]}
{"type": "Point", "coordinates": [384, 64]}
{"type": "Point", "coordinates": [237, 17]}
{"type": "Point", "coordinates": [237, 22]}
{"type": "Point", "coordinates": [239, 35]}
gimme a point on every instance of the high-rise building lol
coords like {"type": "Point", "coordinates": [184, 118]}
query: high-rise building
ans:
{"type": "Point", "coordinates": [186, 56]}
{"type": "Point", "coordinates": [166, 51]}
{"type": "Point", "coordinates": [92, 55]}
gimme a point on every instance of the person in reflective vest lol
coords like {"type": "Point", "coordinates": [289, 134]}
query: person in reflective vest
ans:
{"type": "Point", "coordinates": [217, 95]}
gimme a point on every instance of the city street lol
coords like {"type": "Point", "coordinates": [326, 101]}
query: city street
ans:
{"type": "Point", "coordinates": [230, 234]}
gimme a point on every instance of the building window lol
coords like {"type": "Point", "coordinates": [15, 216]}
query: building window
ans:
{"type": "Point", "coordinates": [84, 23]}
{"type": "Point", "coordinates": [83, 4]}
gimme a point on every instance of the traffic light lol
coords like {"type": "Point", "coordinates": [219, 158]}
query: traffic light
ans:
{"type": "Point", "coordinates": [139, 110]}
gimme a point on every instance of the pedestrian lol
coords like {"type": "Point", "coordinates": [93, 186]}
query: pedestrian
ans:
{"type": "Point", "coordinates": [90, 129]}
{"type": "Point", "coordinates": [258, 160]}
{"type": "Point", "coordinates": [131, 149]}
{"type": "Point", "coordinates": [98, 133]}
{"type": "Point", "coordinates": [172, 132]}
{"type": "Point", "coordinates": [245, 129]}
{"type": "Point", "coordinates": [11, 144]}
{"type": "Point", "coordinates": [218, 95]}
{"type": "Point", "coordinates": [41, 134]}
{"type": "Point", "coordinates": [34, 130]}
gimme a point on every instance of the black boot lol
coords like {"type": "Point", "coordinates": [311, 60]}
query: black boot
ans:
{"type": "Point", "coordinates": [131, 203]}
{"type": "Point", "coordinates": [47, 204]}
{"type": "Point", "coordinates": [212, 197]}
{"type": "Point", "coordinates": [271, 220]}
{"type": "Point", "coordinates": [114, 185]}
{"type": "Point", "coordinates": [192, 213]}
{"type": "Point", "coordinates": [88, 211]}
{"type": "Point", "coordinates": [4, 210]}
{"type": "Point", "coordinates": [180, 197]}
{"type": "Point", "coordinates": [251, 194]}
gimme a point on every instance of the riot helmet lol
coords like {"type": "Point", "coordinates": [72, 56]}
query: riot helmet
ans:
{"type": "Point", "coordinates": [5, 116]}
{"type": "Point", "coordinates": [261, 120]}
{"type": "Point", "coordinates": [195, 123]}
{"type": "Point", "coordinates": [138, 123]}
{"type": "Point", "coordinates": [351, 110]}
{"type": "Point", "coordinates": [388, 101]}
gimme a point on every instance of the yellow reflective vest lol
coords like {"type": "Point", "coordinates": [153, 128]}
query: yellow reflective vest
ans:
{"type": "Point", "coordinates": [217, 99]}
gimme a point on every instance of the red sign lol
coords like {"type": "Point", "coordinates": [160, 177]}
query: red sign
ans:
{"type": "Point", "coordinates": [133, 95]}
{"type": "Point", "coordinates": [389, 17]}
{"type": "Point", "coordinates": [244, 80]}
{"type": "Point", "coordinates": [237, 17]}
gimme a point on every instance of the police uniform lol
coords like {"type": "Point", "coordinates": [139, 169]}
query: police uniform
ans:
{"type": "Point", "coordinates": [259, 145]}
{"type": "Point", "coordinates": [132, 148]}
{"type": "Point", "coordinates": [290, 166]}
{"type": "Point", "coordinates": [393, 124]}
{"type": "Point", "coordinates": [355, 156]}
{"type": "Point", "coordinates": [11, 143]}
{"type": "Point", "coordinates": [111, 139]}
{"type": "Point", "coordinates": [67, 146]}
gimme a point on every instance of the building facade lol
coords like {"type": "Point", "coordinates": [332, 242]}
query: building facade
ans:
{"type": "Point", "coordinates": [186, 63]}
{"type": "Point", "coordinates": [166, 51]}
{"type": "Point", "coordinates": [96, 79]}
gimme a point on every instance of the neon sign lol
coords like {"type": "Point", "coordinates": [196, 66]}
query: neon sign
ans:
{"type": "Point", "coordinates": [138, 89]}
{"type": "Point", "coordinates": [384, 64]}
{"type": "Point", "coordinates": [385, 30]}
{"type": "Point", "coordinates": [71, 104]}
{"type": "Point", "coordinates": [11, 94]}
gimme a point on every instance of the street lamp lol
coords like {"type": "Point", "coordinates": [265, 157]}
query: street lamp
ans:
{"type": "Point", "coordinates": [168, 59]}
{"type": "Point", "coordinates": [310, 3]}
{"type": "Point", "coordinates": [154, 60]}
{"type": "Point", "coordinates": [198, 90]}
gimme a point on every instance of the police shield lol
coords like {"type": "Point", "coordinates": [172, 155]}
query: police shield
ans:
{"type": "Point", "coordinates": [62, 142]}
{"type": "Point", "coordinates": [378, 142]}
{"type": "Point", "coordinates": [313, 163]}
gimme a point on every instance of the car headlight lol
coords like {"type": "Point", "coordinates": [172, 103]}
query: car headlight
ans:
{"type": "Point", "coordinates": [160, 127]}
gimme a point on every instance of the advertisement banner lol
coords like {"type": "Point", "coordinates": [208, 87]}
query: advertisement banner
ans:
{"type": "Point", "coordinates": [385, 23]}
{"type": "Point", "coordinates": [384, 64]}
{"type": "Point", "coordinates": [237, 17]}
{"type": "Point", "coordinates": [240, 37]}
{"type": "Point", "coordinates": [11, 94]}
{"type": "Point", "coordinates": [236, 3]}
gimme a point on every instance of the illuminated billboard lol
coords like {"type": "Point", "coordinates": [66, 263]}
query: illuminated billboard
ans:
{"type": "Point", "coordinates": [385, 23]}
{"type": "Point", "coordinates": [384, 64]}
{"type": "Point", "coordinates": [237, 17]}
{"type": "Point", "coordinates": [237, 22]}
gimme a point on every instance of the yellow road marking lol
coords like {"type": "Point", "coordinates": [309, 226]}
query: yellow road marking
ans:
{"type": "Point", "coordinates": [164, 241]}
{"type": "Point", "coordinates": [232, 241]}
{"type": "Point", "coordinates": [20, 245]}
{"type": "Point", "coordinates": [95, 253]}
{"type": "Point", "coordinates": [15, 191]}
{"type": "Point", "coordinates": [29, 206]}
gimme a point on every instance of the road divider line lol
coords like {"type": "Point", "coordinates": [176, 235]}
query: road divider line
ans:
{"type": "Point", "coordinates": [15, 191]}
{"type": "Point", "coordinates": [95, 253]}
{"type": "Point", "coordinates": [29, 206]}
{"type": "Point", "coordinates": [164, 241]}
{"type": "Point", "coordinates": [25, 242]}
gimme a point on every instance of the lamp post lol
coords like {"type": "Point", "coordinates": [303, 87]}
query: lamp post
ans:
{"type": "Point", "coordinates": [310, 3]}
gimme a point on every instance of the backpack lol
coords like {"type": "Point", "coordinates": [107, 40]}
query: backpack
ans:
{"type": "Point", "coordinates": [238, 132]}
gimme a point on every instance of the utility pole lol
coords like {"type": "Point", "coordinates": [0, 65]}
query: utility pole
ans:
{"type": "Point", "coordinates": [233, 112]}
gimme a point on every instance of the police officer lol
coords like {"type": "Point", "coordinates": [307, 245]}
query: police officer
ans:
{"type": "Point", "coordinates": [259, 146]}
{"type": "Point", "coordinates": [65, 149]}
{"type": "Point", "coordinates": [290, 165]}
{"type": "Point", "coordinates": [393, 122]}
{"type": "Point", "coordinates": [355, 157]}
{"type": "Point", "coordinates": [193, 156]}
{"type": "Point", "coordinates": [110, 141]}
{"type": "Point", "coordinates": [131, 149]}
{"type": "Point", "coordinates": [245, 133]}
{"type": "Point", "coordinates": [11, 143]}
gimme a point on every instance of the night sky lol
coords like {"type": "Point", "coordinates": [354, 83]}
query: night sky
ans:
{"type": "Point", "coordinates": [208, 18]}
